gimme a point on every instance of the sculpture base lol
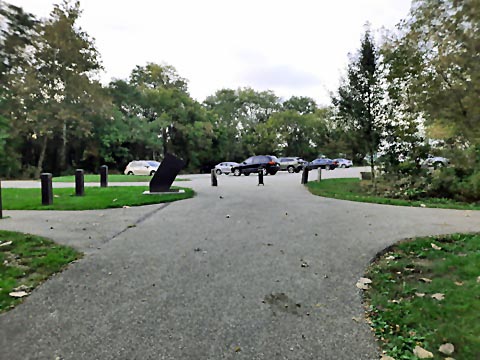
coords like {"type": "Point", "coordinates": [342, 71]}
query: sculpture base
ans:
{"type": "Point", "coordinates": [179, 191]}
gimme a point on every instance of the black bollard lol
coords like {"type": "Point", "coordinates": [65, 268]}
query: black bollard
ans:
{"type": "Point", "coordinates": [1, 209]}
{"type": "Point", "coordinates": [47, 191]}
{"type": "Point", "coordinates": [305, 175]}
{"type": "Point", "coordinates": [260, 177]}
{"type": "Point", "coordinates": [79, 183]}
{"type": "Point", "coordinates": [214, 178]}
{"type": "Point", "coordinates": [104, 176]}
{"type": "Point", "coordinates": [319, 174]}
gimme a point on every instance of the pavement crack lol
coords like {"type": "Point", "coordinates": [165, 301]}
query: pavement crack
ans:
{"type": "Point", "coordinates": [137, 222]}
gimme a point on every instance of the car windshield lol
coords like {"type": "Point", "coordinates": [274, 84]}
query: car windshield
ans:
{"type": "Point", "coordinates": [153, 163]}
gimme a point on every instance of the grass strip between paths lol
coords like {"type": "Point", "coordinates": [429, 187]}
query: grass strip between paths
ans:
{"type": "Point", "coordinates": [95, 198]}
{"type": "Point", "coordinates": [111, 178]}
{"type": "Point", "coordinates": [26, 261]}
{"type": "Point", "coordinates": [350, 189]}
{"type": "Point", "coordinates": [426, 292]}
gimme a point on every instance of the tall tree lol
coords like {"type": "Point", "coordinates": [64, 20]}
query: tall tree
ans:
{"type": "Point", "coordinates": [358, 100]}
{"type": "Point", "coordinates": [56, 88]}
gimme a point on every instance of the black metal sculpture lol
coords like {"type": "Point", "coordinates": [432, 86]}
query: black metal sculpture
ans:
{"type": "Point", "coordinates": [166, 173]}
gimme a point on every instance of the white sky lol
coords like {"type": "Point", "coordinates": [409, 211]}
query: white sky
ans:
{"type": "Point", "coordinates": [293, 47]}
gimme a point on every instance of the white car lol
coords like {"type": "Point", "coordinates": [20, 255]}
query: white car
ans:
{"type": "Point", "coordinates": [141, 167]}
{"type": "Point", "coordinates": [435, 162]}
{"type": "Point", "coordinates": [225, 167]}
{"type": "Point", "coordinates": [344, 163]}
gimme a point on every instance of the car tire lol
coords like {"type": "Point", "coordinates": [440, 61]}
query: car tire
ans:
{"type": "Point", "coordinates": [152, 172]}
{"type": "Point", "coordinates": [130, 173]}
{"type": "Point", "coordinates": [218, 171]}
{"type": "Point", "coordinates": [343, 166]}
{"type": "Point", "coordinates": [290, 169]}
{"type": "Point", "coordinates": [297, 170]}
{"type": "Point", "coordinates": [272, 172]}
{"type": "Point", "coordinates": [237, 172]}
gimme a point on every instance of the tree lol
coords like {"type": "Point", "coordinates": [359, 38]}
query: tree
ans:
{"type": "Point", "coordinates": [54, 92]}
{"type": "Point", "coordinates": [301, 104]}
{"type": "Point", "coordinates": [359, 97]}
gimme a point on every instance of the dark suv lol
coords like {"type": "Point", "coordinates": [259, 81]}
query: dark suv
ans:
{"type": "Point", "coordinates": [268, 164]}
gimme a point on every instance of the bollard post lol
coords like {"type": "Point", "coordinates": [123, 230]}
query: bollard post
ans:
{"type": "Point", "coordinates": [104, 176]}
{"type": "Point", "coordinates": [260, 177]}
{"type": "Point", "coordinates": [79, 183]}
{"type": "Point", "coordinates": [319, 174]}
{"type": "Point", "coordinates": [1, 208]}
{"type": "Point", "coordinates": [47, 191]}
{"type": "Point", "coordinates": [214, 178]}
{"type": "Point", "coordinates": [305, 175]}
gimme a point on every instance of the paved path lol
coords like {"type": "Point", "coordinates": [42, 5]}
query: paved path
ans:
{"type": "Point", "coordinates": [190, 282]}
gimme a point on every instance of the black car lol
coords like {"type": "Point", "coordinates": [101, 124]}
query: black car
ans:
{"type": "Point", "coordinates": [266, 163]}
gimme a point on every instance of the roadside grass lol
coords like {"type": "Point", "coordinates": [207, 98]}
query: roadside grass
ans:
{"type": "Point", "coordinates": [27, 262]}
{"type": "Point", "coordinates": [111, 178]}
{"type": "Point", "coordinates": [351, 189]}
{"type": "Point", "coordinates": [95, 198]}
{"type": "Point", "coordinates": [403, 318]}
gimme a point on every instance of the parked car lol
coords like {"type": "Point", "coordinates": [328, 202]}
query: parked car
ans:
{"type": "Point", "coordinates": [323, 163]}
{"type": "Point", "coordinates": [291, 164]}
{"type": "Point", "coordinates": [267, 163]}
{"type": "Point", "coordinates": [225, 167]}
{"type": "Point", "coordinates": [435, 162]}
{"type": "Point", "coordinates": [141, 167]}
{"type": "Point", "coordinates": [344, 163]}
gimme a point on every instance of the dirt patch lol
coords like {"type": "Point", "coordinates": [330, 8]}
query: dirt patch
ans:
{"type": "Point", "coordinates": [282, 303]}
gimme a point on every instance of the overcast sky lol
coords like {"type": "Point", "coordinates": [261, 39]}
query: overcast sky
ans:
{"type": "Point", "coordinates": [293, 47]}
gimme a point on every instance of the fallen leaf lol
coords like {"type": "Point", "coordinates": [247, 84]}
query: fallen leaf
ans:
{"type": "Point", "coordinates": [421, 353]}
{"type": "Point", "coordinates": [423, 205]}
{"type": "Point", "coordinates": [391, 257]}
{"type": "Point", "coordinates": [478, 279]}
{"type": "Point", "coordinates": [18, 294]}
{"type": "Point", "coordinates": [6, 243]}
{"type": "Point", "coordinates": [126, 207]}
{"type": "Point", "coordinates": [447, 349]}
{"type": "Point", "coordinates": [362, 286]}
{"type": "Point", "coordinates": [458, 283]}
{"type": "Point", "coordinates": [237, 349]}
{"type": "Point", "coordinates": [426, 280]}
{"type": "Point", "coordinates": [435, 247]}
{"type": "Point", "coordinates": [420, 294]}
{"type": "Point", "coordinates": [22, 288]}
{"type": "Point", "coordinates": [114, 200]}
{"type": "Point", "coordinates": [357, 318]}
{"type": "Point", "coordinates": [227, 216]}
{"type": "Point", "coordinates": [365, 280]}
{"type": "Point", "coordinates": [438, 296]}
{"type": "Point", "coordinates": [385, 357]}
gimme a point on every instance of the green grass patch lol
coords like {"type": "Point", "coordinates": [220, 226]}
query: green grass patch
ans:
{"type": "Point", "coordinates": [111, 178]}
{"type": "Point", "coordinates": [27, 262]}
{"type": "Point", "coordinates": [402, 317]}
{"type": "Point", "coordinates": [95, 198]}
{"type": "Point", "coordinates": [351, 189]}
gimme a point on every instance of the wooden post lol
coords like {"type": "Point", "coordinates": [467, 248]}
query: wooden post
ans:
{"type": "Point", "coordinates": [1, 208]}
{"type": "Point", "coordinates": [47, 190]}
{"type": "Point", "coordinates": [319, 174]}
{"type": "Point", "coordinates": [260, 177]}
{"type": "Point", "coordinates": [214, 178]}
{"type": "Point", "coordinates": [79, 183]}
{"type": "Point", "coordinates": [104, 176]}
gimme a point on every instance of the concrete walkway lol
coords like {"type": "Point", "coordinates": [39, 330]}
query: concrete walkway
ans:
{"type": "Point", "coordinates": [238, 272]}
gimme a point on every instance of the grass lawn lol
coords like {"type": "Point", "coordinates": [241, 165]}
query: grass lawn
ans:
{"type": "Point", "coordinates": [27, 262]}
{"type": "Point", "coordinates": [350, 189]}
{"type": "Point", "coordinates": [95, 198]}
{"type": "Point", "coordinates": [111, 178]}
{"type": "Point", "coordinates": [400, 305]}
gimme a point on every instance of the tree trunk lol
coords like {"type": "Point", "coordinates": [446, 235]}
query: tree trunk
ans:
{"type": "Point", "coordinates": [41, 158]}
{"type": "Point", "coordinates": [63, 148]}
{"type": "Point", "coordinates": [372, 169]}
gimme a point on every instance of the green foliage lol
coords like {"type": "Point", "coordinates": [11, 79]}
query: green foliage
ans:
{"type": "Point", "coordinates": [402, 319]}
{"type": "Point", "coordinates": [28, 260]}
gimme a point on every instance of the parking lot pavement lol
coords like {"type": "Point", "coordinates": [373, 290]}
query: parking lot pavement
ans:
{"type": "Point", "coordinates": [241, 271]}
